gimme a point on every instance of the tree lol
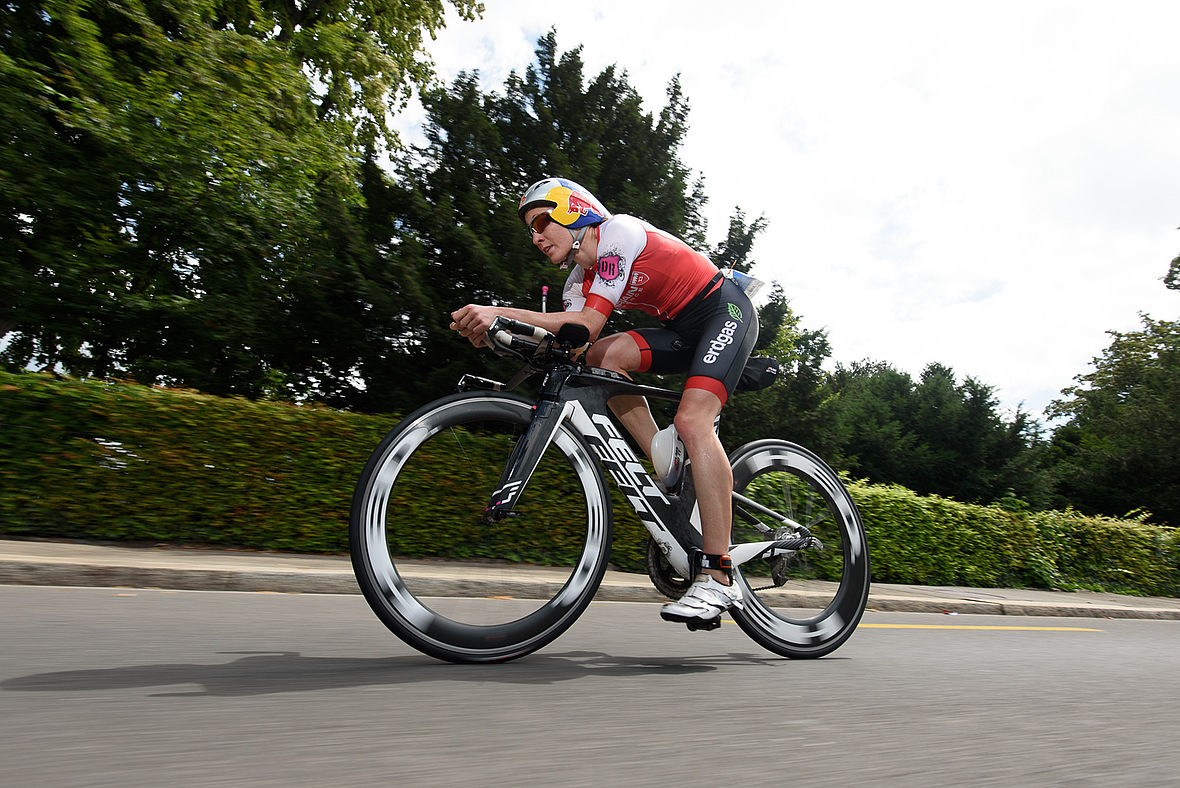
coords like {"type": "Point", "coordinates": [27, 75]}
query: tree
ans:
{"type": "Point", "coordinates": [362, 57]}
{"type": "Point", "coordinates": [1172, 278]}
{"type": "Point", "coordinates": [933, 436]}
{"type": "Point", "coordinates": [791, 408]}
{"type": "Point", "coordinates": [734, 251]}
{"type": "Point", "coordinates": [866, 413]}
{"type": "Point", "coordinates": [457, 234]}
{"type": "Point", "coordinates": [1119, 451]}
{"type": "Point", "coordinates": [168, 169]}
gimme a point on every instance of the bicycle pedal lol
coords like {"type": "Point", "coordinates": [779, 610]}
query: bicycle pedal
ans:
{"type": "Point", "coordinates": [707, 626]}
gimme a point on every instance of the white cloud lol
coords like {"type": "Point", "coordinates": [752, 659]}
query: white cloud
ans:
{"type": "Point", "coordinates": [990, 187]}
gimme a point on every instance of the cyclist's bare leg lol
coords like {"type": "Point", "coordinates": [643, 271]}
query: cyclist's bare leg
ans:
{"type": "Point", "coordinates": [619, 353]}
{"type": "Point", "coordinates": [712, 476]}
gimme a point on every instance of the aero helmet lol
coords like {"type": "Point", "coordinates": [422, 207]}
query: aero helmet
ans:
{"type": "Point", "coordinates": [571, 205]}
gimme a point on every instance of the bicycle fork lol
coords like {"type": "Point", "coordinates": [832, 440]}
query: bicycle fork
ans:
{"type": "Point", "coordinates": [525, 457]}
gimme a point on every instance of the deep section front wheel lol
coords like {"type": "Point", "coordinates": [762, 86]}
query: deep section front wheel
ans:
{"type": "Point", "coordinates": [423, 493]}
{"type": "Point", "coordinates": [807, 602]}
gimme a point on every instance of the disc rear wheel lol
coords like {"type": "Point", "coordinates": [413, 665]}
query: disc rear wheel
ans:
{"type": "Point", "coordinates": [800, 603]}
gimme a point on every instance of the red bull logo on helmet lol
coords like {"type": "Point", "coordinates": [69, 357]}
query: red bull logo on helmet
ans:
{"type": "Point", "coordinates": [579, 204]}
{"type": "Point", "coordinates": [574, 207]}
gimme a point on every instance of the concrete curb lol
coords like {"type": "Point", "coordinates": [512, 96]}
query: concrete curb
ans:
{"type": "Point", "coordinates": [1037, 609]}
{"type": "Point", "coordinates": [105, 576]}
{"type": "Point", "coordinates": [439, 582]}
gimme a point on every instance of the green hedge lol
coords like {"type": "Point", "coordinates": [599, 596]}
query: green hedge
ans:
{"type": "Point", "coordinates": [116, 461]}
{"type": "Point", "coordinates": [124, 462]}
{"type": "Point", "coordinates": [937, 541]}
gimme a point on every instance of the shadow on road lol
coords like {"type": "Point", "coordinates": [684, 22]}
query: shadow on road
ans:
{"type": "Point", "coordinates": [264, 673]}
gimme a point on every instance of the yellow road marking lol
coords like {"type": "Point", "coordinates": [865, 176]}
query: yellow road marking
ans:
{"type": "Point", "coordinates": [952, 626]}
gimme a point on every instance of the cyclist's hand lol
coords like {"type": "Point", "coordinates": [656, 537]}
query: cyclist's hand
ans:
{"type": "Point", "coordinates": [472, 322]}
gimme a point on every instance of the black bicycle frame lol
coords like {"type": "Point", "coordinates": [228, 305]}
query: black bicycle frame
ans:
{"type": "Point", "coordinates": [579, 395]}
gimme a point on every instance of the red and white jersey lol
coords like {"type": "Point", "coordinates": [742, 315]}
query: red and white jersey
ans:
{"type": "Point", "coordinates": [639, 267]}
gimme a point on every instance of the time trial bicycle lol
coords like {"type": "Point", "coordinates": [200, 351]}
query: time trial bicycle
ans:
{"type": "Point", "coordinates": [491, 475]}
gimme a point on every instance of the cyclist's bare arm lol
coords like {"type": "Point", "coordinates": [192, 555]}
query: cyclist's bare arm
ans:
{"type": "Point", "coordinates": [472, 321]}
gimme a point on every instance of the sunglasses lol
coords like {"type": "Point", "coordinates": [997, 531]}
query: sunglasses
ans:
{"type": "Point", "coordinates": [538, 224]}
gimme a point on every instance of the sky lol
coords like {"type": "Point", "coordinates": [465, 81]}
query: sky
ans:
{"type": "Point", "coordinates": [991, 187]}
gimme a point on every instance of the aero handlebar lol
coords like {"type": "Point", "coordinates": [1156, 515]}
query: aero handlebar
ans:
{"type": "Point", "coordinates": [531, 344]}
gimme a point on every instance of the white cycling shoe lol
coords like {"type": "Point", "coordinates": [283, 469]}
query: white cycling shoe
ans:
{"type": "Point", "coordinates": [667, 457]}
{"type": "Point", "coordinates": [703, 603]}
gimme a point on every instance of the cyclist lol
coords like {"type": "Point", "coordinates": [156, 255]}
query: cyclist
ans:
{"type": "Point", "coordinates": [709, 328]}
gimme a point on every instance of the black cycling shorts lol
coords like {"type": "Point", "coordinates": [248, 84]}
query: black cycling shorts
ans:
{"type": "Point", "coordinates": [710, 338]}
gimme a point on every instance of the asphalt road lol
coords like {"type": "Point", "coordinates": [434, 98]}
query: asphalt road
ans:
{"type": "Point", "coordinates": [129, 687]}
